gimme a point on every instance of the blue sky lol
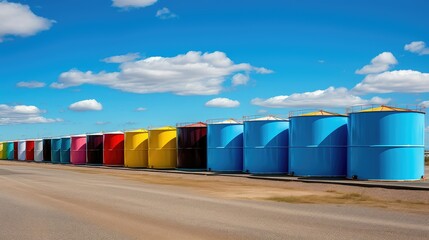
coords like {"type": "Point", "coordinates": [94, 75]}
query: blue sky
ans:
{"type": "Point", "coordinates": [147, 63]}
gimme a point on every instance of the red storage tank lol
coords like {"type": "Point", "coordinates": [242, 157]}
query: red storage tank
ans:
{"type": "Point", "coordinates": [15, 150]}
{"type": "Point", "coordinates": [113, 149]}
{"type": "Point", "coordinates": [78, 149]}
{"type": "Point", "coordinates": [29, 148]}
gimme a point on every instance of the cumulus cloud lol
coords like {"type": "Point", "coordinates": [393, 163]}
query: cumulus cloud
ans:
{"type": "Point", "coordinates": [424, 104]}
{"type": "Point", "coordinates": [129, 57]}
{"type": "Point", "coordinates": [133, 3]}
{"type": "Point", "coordinates": [193, 73]}
{"type": "Point", "coordinates": [23, 114]}
{"type": "Point", "coordinates": [394, 81]}
{"type": "Point", "coordinates": [141, 109]}
{"type": "Point", "coordinates": [330, 97]}
{"type": "Point", "coordinates": [165, 13]}
{"type": "Point", "coordinates": [239, 79]}
{"type": "Point", "coordinates": [86, 105]}
{"type": "Point", "coordinates": [31, 84]}
{"type": "Point", "coordinates": [382, 62]}
{"type": "Point", "coordinates": [222, 103]}
{"type": "Point", "coordinates": [418, 47]}
{"type": "Point", "coordinates": [18, 20]}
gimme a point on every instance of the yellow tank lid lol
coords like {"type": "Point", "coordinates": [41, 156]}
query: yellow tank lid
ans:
{"type": "Point", "coordinates": [166, 128]}
{"type": "Point", "coordinates": [384, 108]}
{"type": "Point", "coordinates": [321, 113]}
{"type": "Point", "coordinates": [136, 130]}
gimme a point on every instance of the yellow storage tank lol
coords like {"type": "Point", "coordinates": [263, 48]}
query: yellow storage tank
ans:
{"type": "Point", "coordinates": [162, 147]}
{"type": "Point", "coordinates": [1, 150]}
{"type": "Point", "coordinates": [136, 148]}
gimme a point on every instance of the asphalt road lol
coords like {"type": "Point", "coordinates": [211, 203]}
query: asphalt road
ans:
{"type": "Point", "coordinates": [39, 203]}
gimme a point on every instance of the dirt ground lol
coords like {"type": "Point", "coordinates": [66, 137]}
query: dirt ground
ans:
{"type": "Point", "coordinates": [263, 190]}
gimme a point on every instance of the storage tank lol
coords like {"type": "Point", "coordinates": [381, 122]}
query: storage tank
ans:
{"type": "Point", "coordinates": [113, 149]}
{"type": "Point", "coordinates": [29, 150]}
{"type": "Point", "coordinates": [21, 150]}
{"type": "Point", "coordinates": [192, 145]}
{"type": "Point", "coordinates": [2, 151]}
{"type": "Point", "coordinates": [266, 142]}
{"type": "Point", "coordinates": [162, 147]}
{"type": "Point", "coordinates": [224, 145]}
{"type": "Point", "coordinates": [386, 143]}
{"type": "Point", "coordinates": [15, 150]}
{"type": "Point", "coordinates": [47, 149]}
{"type": "Point", "coordinates": [94, 148]}
{"type": "Point", "coordinates": [136, 148]}
{"type": "Point", "coordinates": [318, 144]}
{"type": "Point", "coordinates": [55, 150]}
{"type": "Point", "coordinates": [65, 150]}
{"type": "Point", "coordinates": [78, 149]}
{"type": "Point", "coordinates": [38, 150]}
{"type": "Point", "coordinates": [10, 150]}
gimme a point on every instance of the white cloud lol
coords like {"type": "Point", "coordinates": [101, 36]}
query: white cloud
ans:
{"type": "Point", "coordinates": [86, 105]}
{"type": "Point", "coordinates": [239, 79]}
{"type": "Point", "coordinates": [129, 57]}
{"type": "Point", "coordinates": [394, 81]}
{"type": "Point", "coordinates": [141, 109]}
{"type": "Point", "coordinates": [31, 84]}
{"type": "Point", "coordinates": [133, 3]}
{"type": "Point", "coordinates": [23, 114]}
{"type": "Point", "coordinates": [193, 73]}
{"type": "Point", "coordinates": [330, 97]}
{"type": "Point", "coordinates": [418, 47]}
{"type": "Point", "coordinates": [222, 103]}
{"type": "Point", "coordinates": [382, 62]}
{"type": "Point", "coordinates": [424, 104]}
{"type": "Point", "coordinates": [101, 123]}
{"type": "Point", "coordinates": [18, 20]}
{"type": "Point", "coordinates": [165, 13]}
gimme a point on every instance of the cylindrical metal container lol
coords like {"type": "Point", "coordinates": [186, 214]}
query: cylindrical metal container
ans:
{"type": "Point", "coordinates": [224, 146]}
{"type": "Point", "coordinates": [10, 150]}
{"type": "Point", "coordinates": [65, 150]}
{"type": "Point", "coordinates": [47, 150]}
{"type": "Point", "coordinates": [192, 146]}
{"type": "Point", "coordinates": [21, 150]}
{"type": "Point", "coordinates": [78, 149]}
{"type": "Point", "coordinates": [162, 147]}
{"type": "Point", "coordinates": [2, 150]}
{"type": "Point", "coordinates": [318, 144]}
{"type": "Point", "coordinates": [113, 149]}
{"type": "Point", "coordinates": [94, 148]}
{"type": "Point", "coordinates": [29, 150]}
{"type": "Point", "coordinates": [136, 148]}
{"type": "Point", "coordinates": [55, 150]}
{"type": "Point", "coordinates": [15, 150]}
{"type": "Point", "coordinates": [266, 143]}
{"type": "Point", "coordinates": [38, 150]}
{"type": "Point", "coordinates": [386, 143]}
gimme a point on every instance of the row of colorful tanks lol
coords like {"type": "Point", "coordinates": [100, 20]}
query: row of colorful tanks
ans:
{"type": "Point", "coordinates": [382, 143]}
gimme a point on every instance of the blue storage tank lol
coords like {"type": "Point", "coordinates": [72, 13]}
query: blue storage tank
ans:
{"type": "Point", "coordinates": [224, 145]}
{"type": "Point", "coordinates": [9, 150]}
{"type": "Point", "coordinates": [65, 150]}
{"type": "Point", "coordinates": [318, 144]}
{"type": "Point", "coordinates": [55, 150]}
{"type": "Point", "coordinates": [386, 143]}
{"type": "Point", "coordinates": [266, 142]}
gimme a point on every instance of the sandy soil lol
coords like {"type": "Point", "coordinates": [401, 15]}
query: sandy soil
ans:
{"type": "Point", "coordinates": [245, 188]}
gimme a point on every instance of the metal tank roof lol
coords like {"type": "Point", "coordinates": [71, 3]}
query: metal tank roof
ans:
{"type": "Point", "coordinates": [190, 125]}
{"type": "Point", "coordinates": [385, 108]}
{"type": "Point", "coordinates": [320, 113]}
{"type": "Point", "coordinates": [136, 130]}
{"type": "Point", "coordinates": [263, 118]}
